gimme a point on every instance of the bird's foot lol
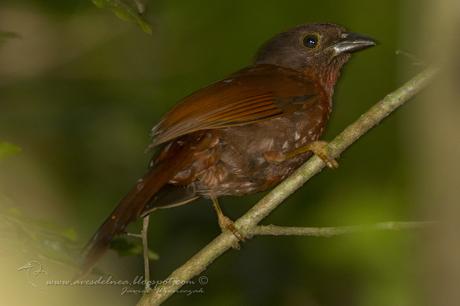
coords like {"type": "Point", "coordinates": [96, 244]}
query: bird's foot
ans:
{"type": "Point", "coordinates": [227, 225]}
{"type": "Point", "coordinates": [319, 148]}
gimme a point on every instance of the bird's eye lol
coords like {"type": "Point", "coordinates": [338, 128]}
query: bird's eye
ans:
{"type": "Point", "coordinates": [310, 41]}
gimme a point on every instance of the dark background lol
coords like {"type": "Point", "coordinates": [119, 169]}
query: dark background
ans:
{"type": "Point", "coordinates": [80, 90]}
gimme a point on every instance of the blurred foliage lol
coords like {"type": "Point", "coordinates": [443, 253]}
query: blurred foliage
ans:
{"type": "Point", "coordinates": [4, 36]}
{"type": "Point", "coordinates": [47, 240]}
{"type": "Point", "coordinates": [8, 149]}
{"type": "Point", "coordinates": [38, 238]}
{"type": "Point", "coordinates": [125, 12]}
{"type": "Point", "coordinates": [125, 247]}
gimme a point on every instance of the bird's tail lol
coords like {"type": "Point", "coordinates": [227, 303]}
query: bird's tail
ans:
{"type": "Point", "coordinates": [127, 211]}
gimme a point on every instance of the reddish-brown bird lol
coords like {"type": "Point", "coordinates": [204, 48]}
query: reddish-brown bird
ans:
{"type": "Point", "coordinates": [243, 134]}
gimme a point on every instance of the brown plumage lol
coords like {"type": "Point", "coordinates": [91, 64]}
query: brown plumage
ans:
{"type": "Point", "coordinates": [234, 136]}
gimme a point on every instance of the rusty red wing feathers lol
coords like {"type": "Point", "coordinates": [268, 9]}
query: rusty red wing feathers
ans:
{"type": "Point", "coordinates": [252, 94]}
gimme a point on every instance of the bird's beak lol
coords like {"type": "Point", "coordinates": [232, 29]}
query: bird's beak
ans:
{"type": "Point", "coordinates": [352, 42]}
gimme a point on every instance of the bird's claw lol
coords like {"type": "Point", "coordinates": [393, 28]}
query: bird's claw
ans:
{"type": "Point", "coordinates": [227, 225]}
{"type": "Point", "coordinates": [321, 149]}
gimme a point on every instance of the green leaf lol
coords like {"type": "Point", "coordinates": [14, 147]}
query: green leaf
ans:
{"type": "Point", "coordinates": [7, 149]}
{"type": "Point", "coordinates": [70, 233]}
{"type": "Point", "coordinates": [124, 12]}
{"type": "Point", "coordinates": [125, 247]}
{"type": "Point", "coordinates": [4, 36]}
{"type": "Point", "coordinates": [8, 35]}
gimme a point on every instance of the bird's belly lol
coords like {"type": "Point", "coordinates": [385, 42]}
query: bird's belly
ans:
{"type": "Point", "coordinates": [244, 168]}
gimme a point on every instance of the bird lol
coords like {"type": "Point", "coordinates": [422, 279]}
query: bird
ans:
{"type": "Point", "coordinates": [243, 134]}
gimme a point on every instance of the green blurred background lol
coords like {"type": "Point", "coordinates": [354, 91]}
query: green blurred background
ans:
{"type": "Point", "coordinates": [80, 90]}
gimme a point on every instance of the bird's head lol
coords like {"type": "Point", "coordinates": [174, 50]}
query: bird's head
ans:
{"type": "Point", "coordinates": [320, 49]}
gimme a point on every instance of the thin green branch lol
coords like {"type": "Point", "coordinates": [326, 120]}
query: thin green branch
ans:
{"type": "Point", "coordinates": [274, 230]}
{"type": "Point", "coordinates": [246, 224]}
{"type": "Point", "coordinates": [144, 232]}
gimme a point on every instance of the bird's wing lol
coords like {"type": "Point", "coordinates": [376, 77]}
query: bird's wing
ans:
{"type": "Point", "coordinates": [252, 94]}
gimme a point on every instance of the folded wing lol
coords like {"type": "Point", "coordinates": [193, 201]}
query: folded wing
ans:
{"type": "Point", "coordinates": [252, 94]}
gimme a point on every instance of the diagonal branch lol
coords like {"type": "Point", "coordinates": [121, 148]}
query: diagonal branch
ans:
{"type": "Point", "coordinates": [246, 224]}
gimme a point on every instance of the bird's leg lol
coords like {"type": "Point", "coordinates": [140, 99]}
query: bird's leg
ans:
{"type": "Point", "coordinates": [319, 148]}
{"type": "Point", "coordinates": [224, 222]}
